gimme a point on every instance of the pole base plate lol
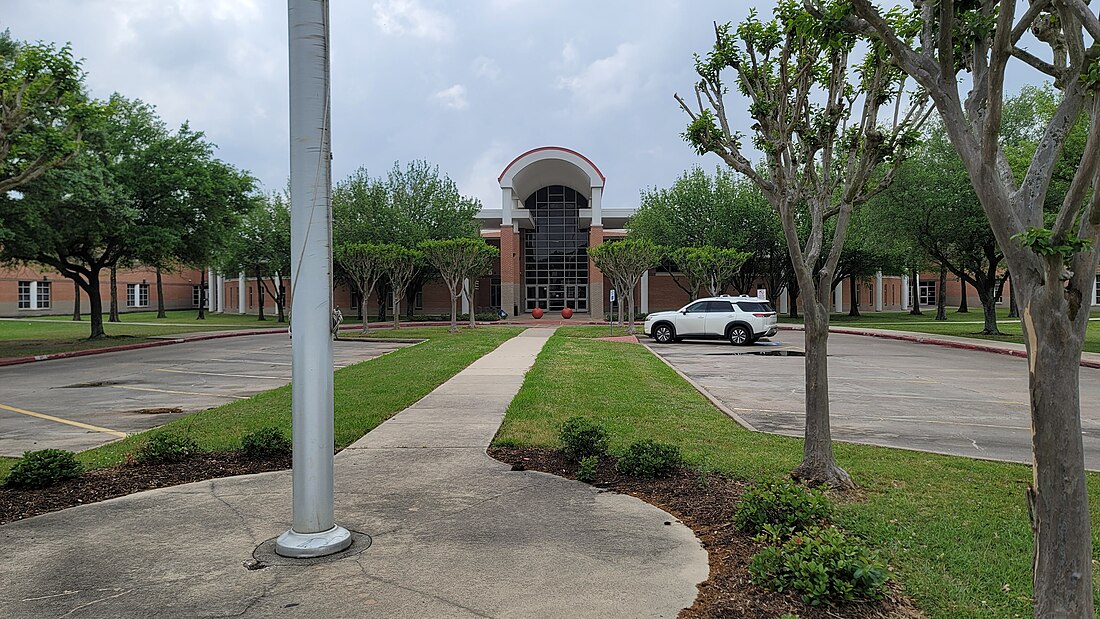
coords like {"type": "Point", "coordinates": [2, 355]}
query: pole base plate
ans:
{"type": "Point", "coordinates": [308, 545]}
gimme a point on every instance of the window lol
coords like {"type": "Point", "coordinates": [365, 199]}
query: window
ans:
{"type": "Point", "coordinates": [418, 300]}
{"type": "Point", "coordinates": [700, 306]}
{"type": "Point", "coordinates": [34, 295]}
{"type": "Point", "coordinates": [749, 306]}
{"type": "Point", "coordinates": [25, 295]}
{"type": "Point", "coordinates": [555, 252]}
{"type": "Point", "coordinates": [43, 295]}
{"type": "Point", "coordinates": [137, 295]}
{"type": "Point", "coordinates": [719, 306]}
{"type": "Point", "coordinates": [928, 293]}
{"type": "Point", "coordinates": [1096, 291]}
{"type": "Point", "coordinates": [196, 296]}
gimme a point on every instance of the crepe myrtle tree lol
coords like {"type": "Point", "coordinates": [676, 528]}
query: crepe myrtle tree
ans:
{"type": "Point", "coordinates": [709, 266]}
{"type": "Point", "coordinates": [400, 265]}
{"type": "Point", "coordinates": [960, 56]}
{"type": "Point", "coordinates": [456, 260]}
{"type": "Point", "coordinates": [624, 262]}
{"type": "Point", "coordinates": [362, 264]}
{"type": "Point", "coordinates": [478, 268]}
{"type": "Point", "coordinates": [832, 129]}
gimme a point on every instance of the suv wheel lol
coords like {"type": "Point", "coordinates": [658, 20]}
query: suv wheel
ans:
{"type": "Point", "coordinates": [739, 335]}
{"type": "Point", "coordinates": [662, 333]}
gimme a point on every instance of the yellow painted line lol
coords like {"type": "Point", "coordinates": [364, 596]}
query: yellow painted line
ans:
{"type": "Point", "coordinates": [86, 426]}
{"type": "Point", "coordinates": [217, 395]}
{"type": "Point", "coordinates": [282, 378]}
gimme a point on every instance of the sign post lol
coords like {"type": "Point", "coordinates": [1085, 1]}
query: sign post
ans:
{"type": "Point", "coordinates": [611, 314]}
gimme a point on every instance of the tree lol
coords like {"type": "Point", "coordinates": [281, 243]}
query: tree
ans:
{"type": "Point", "coordinates": [723, 211]}
{"type": "Point", "coordinates": [456, 260]}
{"type": "Point", "coordinates": [709, 266]}
{"type": "Point", "coordinates": [363, 267]}
{"type": "Point", "coordinates": [624, 262]}
{"type": "Point", "coordinates": [825, 153]}
{"type": "Point", "coordinates": [479, 268]}
{"type": "Point", "coordinates": [260, 244]}
{"type": "Point", "coordinates": [411, 204]}
{"type": "Point", "coordinates": [43, 109]}
{"type": "Point", "coordinates": [1053, 263]}
{"type": "Point", "coordinates": [400, 265]}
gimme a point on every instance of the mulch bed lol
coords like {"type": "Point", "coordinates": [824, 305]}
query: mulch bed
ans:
{"type": "Point", "coordinates": [103, 484]}
{"type": "Point", "coordinates": [706, 504]}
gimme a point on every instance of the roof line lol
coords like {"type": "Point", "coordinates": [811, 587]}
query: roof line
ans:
{"type": "Point", "coordinates": [560, 148]}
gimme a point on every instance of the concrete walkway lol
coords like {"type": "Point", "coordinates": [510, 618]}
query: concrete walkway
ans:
{"type": "Point", "coordinates": [455, 534]}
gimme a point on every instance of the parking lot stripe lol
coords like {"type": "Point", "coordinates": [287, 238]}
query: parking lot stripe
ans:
{"type": "Point", "coordinates": [282, 378]}
{"type": "Point", "coordinates": [86, 426]}
{"type": "Point", "coordinates": [217, 395]}
{"type": "Point", "coordinates": [253, 361]}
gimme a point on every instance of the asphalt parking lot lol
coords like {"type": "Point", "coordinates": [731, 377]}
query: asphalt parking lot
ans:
{"type": "Point", "coordinates": [886, 392]}
{"type": "Point", "coordinates": [83, 402]}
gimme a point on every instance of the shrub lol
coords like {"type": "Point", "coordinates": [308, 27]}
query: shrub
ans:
{"type": "Point", "coordinates": [649, 458]}
{"type": "Point", "coordinates": [166, 447]}
{"type": "Point", "coordinates": [783, 504]}
{"type": "Point", "coordinates": [264, 443]}
{"type": "Point", "coordinates": [581, 437]}
{"type": "Point", "coordinates": [821, 563]}
{"type": "Point", "coordinates": [587, 470]}
{"type": "Point", "coordinates": [43, 468]}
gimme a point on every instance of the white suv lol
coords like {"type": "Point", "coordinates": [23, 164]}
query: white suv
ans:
{"type": "Point", "coordinates": [741, 320]}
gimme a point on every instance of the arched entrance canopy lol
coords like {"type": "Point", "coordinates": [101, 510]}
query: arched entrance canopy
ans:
{"type": "Point", "coordinates": [545, 166]}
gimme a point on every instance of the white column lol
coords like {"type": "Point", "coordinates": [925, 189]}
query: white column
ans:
{"type": "Point", "coordinates": [597, 206]}
{"type": "Point", "coordinates": [221, 293]}
{"type": "Point", "coordinates": [878, 291]}
{"type": "Point", "coordinates": [465, 299]}
{"type": "Point", "coordinates": [314, 532]}
{"type": "Point", "coordinates": [904, 292]}
{"type": "Point", "coordinates": [210, 290]}
{"type": "Point", "coordinates": [916, 288]}
{"type": "Point", "coordinates": [838, 297]}
{"type": "Point", "coordinates": [645, 283]}
{"type": "Point", "coordinates": [505, 206]}
{"type": "Point", "coordinates": [240, 293]}
{"type": "Point", "coordinates": [784, 302]}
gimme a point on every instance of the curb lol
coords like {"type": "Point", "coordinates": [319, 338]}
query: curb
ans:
{"type": "Point", "coordinates": [937, 342]}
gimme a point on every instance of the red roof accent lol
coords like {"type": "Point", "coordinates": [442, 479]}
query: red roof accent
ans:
{"type": "Point", "coordinates": [560, 148]}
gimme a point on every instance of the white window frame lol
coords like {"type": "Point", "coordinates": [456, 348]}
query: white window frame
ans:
{"type": "Point", "coordinates": [196, 295]}
{"type": "Point", "coordinates": [34, 295]}
{"type": "Point", "coordinates": [137, 295]}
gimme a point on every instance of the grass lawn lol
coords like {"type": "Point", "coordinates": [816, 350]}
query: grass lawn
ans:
{"type": "Point", "coordinates": [960, 325]}
{"type": "Point", "coordinates": [52, 334]}
{"type": "Point", "coordinates": [955, 530]}
{"type": "Point", "coordinates": [367, 394]}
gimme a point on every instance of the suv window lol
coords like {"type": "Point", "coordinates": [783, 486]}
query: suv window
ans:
{"type": "Point", "coordinates": [701, 306]}
{"type": "Point", "coordinates": [749, 306]}
{"type": "Point", "coordinates": [719, 306]}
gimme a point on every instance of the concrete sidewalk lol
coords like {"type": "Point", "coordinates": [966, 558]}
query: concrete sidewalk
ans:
{"type": "Point", "coordinates": [455, 534]}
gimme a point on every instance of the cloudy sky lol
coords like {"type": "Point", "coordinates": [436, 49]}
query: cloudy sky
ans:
{"type": "Point", "coordinates": [467, 85]}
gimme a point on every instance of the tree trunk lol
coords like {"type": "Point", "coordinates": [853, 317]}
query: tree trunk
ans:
{"type": "Point", "coordinates": [818, 461]}
{"type": "Point", "coordinates": [989, 311]}
{"type": "Point", "coordinates": [280, 300]}
{"type": "Point", "coordinates": [202, 295]}
{"type": "Point", "coordinates": [630, 330]}
{"type": "Point", "coordinates": [382, 306]}
{"type": "Point", "coordinates": [76, 300]}
{"type": "Point", "coordinates": [941, 295]}
{"type": "Point", "coordinates": [470, 296]}
{"type": "Point", "coordinates": [95, 305]}
{"type": "Point", "coordinates": [454, 309]}
{"type": "Point", "coordinates": [260, 294]}
{"type": "Point", "coordinates": [114, 296]}
{"type": "Point", "coordinates": [160, 296]}
{"type": "Point", "coordinates": [1058, 501]}
{"type": "Point", "coordinates": [914, 295]}
{"type": "Point", "coordinates": [397, 309]}
{"type": "Point", "coordinates": [853, 289]}
{"type": "Point", "coordinates": [792, 299]}
{"type": "Point", "coordinates": [364, 297]}
{"type": "Point", "coordinates": [963, 309]}
{"type": "Point", "coordinates": [1013, 308]}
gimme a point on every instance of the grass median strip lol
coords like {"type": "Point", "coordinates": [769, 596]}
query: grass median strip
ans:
{"type": "Point", "coordinates": [955, 529]}
{"type": "Point", "coordinates": [367, 394]}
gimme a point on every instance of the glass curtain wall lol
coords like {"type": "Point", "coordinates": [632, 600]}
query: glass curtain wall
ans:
{"type": "Point", "coordinates": [556, 251]}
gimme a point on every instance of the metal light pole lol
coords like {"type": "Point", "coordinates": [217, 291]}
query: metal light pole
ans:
{"type": "Point", "coordinates": [314, 532]}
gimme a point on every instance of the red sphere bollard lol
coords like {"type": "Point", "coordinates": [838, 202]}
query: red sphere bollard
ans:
{"type": "Point", "coordinates": [567, 312]}
{"type": "Point", "coordinates": [536, 313]}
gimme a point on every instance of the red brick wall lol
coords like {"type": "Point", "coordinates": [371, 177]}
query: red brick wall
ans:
{"type": "Point", "coordinates": [177, 290]}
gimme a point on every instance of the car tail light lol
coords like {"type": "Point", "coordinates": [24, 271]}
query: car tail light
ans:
{"type": "Point", "coordinates": [763, 314]}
